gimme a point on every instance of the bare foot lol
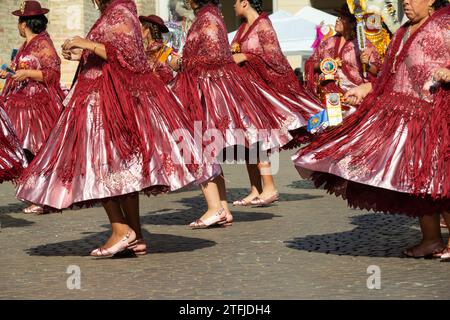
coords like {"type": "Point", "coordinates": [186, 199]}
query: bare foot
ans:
{"type": "Point", "coordinates": [229, 217]}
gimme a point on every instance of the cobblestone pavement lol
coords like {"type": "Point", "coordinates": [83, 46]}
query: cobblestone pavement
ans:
{"type": "Point", "coordinates": [308, 246]}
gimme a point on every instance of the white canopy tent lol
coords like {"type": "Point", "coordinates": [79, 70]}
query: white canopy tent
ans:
{"type": "Point", "coordinates": [297, 33]}
{"type": "Point", "coordinates": [316, 16]}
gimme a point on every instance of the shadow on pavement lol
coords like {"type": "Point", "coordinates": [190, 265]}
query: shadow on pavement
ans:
{"type": "Point", "coordinates": [157, 243]}
{"type": "Point", "coordinates": [185, 217]}
{"type": "Point", "coordinates": [196, 206]}
{"type": "Point", "coordinates": [239, 193]}
{"type": "Point", "coordinates": [12, 208]}
{"type": "Point", "coordinates": [302, 184]}
{"type": "Point", "coordinates": [375, 235]}
{"type": "Point", "coordinates": [7, 221]}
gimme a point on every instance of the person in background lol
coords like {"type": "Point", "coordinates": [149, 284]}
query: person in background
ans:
{"type": "Point", "coordinates": [33, 98]}
{"type": "Point", "coordinates": [343, 48]}
{"type": "Point", "coordinates": [158, 53]}
{"type": "Point", "coordinates": [115, 136]}
{"type": "Point", "coordinates": [257, 50]}
{"type": "Point", "coordinates": [392, 154]}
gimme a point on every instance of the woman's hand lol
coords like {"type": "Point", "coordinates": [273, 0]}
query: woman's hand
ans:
{"type": "Point", "coordinates": [76, 43]}
{"type": "Point", "coordinates": [73, 54]}
{"type": "Point", "coordinates": [365, 58]}
{"type": "Point", "coordinates": [239, 58]}
{"type": "Point", "coordinates": [21, 75]}
{"type": "Point", "coordinates": [67, 55]}
{"type": "Point", "coordinates": [174, 62]}
{"type": "Point", "coordinates": [442, 75]}
{"type": "Point", "coordinates": [356, 95]}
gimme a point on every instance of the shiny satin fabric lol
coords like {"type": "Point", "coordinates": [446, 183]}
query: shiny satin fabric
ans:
{"type": "Point", "coordinates": [114, 136]}
{"type": "Point", "coordinates": [392, 154]}
{"type": "Point", "coordinates": [12, 158]}
{"type": "Point", "coordinates": [231, 106]}
{"type": "Point", "coordinates": [240, 108]}
{"type": "Point", "coordinates": [266, 61]}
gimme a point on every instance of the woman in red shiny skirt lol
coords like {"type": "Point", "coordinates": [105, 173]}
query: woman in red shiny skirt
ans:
{"type": "Point", "coordinates": [153, 28]}
{"type": "Point", "coordinates": [115, 136]}
{"type": "Point", "coordinates": [233, 107]}
{"type": "Point", "coordinates": [392, 155]}
{"type": "Point", "coordinates": [257, 50]}
{"type": "Point", "coordinates": [32, 95]}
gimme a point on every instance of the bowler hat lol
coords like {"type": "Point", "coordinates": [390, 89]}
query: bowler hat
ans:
{"type": "Point", "coordinates": [156, 21]}
{"type": "Point", "coordinates": [30, 8]}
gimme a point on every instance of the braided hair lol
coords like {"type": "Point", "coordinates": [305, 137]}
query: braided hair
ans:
{"type": "Point", "coordinates": [257, 5]}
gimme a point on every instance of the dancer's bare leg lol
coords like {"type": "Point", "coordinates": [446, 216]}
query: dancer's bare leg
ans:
{"type": "Point", "coordinates": [118, 223]}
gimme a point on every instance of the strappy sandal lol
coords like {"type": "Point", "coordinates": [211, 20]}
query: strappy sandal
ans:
{"type": "Point", "coordinates": [215, 219]}
{"type": "Point", "coordinates": [139, 247]}
{"type": "Point", "coordinates": [435, 253]}
{"type": "Point", "coordinates": [242, 202]}
{"type": "Point", "coordinates": [265, 202]}
{"type": "Point", "coordinates": [118, 247]}
{"type": "Point", "coordinates": [228, 222]}
{"type": "Point", "coordinates": [34, 209]}
{"type": "Point", "coordinates": [445, 256]}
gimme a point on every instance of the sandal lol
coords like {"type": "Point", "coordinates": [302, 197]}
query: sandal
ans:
{"type": "Point", "coordinates": [436, 248]}
{"type": "Point", "coordinates": [139, 247]}
{"type": "Point", "coordinates": [229, 220]}
{"type": "Point", "coordinates": [243, 202]}
{"type": "Point", "coordinates": [265, 202]}
{"type": "Point", "coordinates": [118, 247]}
{"type": "Point", "coordinates": [445, 256]}
{"type": "Point", "coordinates": [34, 209]}
{"type": "Point", "coordinates": [216, 219]}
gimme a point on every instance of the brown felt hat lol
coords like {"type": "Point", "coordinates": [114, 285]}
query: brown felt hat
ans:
{"type": "Point", "coordinates": [30, 8]}
{"type": "Point", "coordinates": [156, 21]}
